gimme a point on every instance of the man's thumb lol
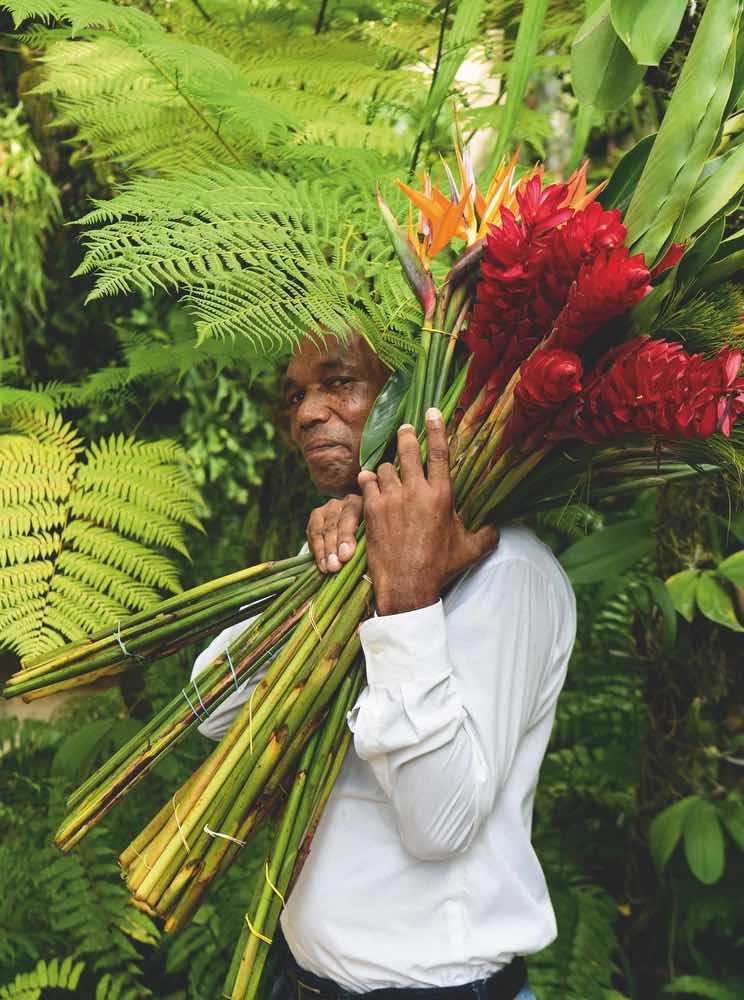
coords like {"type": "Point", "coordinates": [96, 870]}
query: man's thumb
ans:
{"type": "Point", "coordinates": [487, 538]}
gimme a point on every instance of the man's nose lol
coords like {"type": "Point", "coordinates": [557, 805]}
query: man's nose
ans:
{"type": "Point", "coordinates": [312, 410]}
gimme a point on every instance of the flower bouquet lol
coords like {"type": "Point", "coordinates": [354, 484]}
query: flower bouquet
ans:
{"type": "Point", "coordinates": [579, 343]}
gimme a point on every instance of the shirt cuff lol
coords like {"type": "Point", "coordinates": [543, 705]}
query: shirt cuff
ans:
{"type": "Point", "coordinates": [405, 647]}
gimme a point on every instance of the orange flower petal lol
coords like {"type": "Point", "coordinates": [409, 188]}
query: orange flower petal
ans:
{"type": "Point", "coordinates": [448, 226]}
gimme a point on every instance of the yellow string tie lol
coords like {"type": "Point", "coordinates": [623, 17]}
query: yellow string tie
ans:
{"type": "Point", "coordinates": [225, 836]}
{"type": "Point", "coordinates": [268, 879]}
{"type": "Point", "coordinates": [367, 578]}
{"type": "Point", "coordinates": [144, 860]}
{"type": "Point", "coordinates": [183, 837]}
{"type": "Point", "coordinates": [435, 329]}
{"type": "Point", "coordinates": [311, 616]}
{"type": "Point", "coordinates": [255, 933]}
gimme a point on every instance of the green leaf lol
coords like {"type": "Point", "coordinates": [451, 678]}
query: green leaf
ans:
{"type": "Point", "coordinates": [682, 587]}
{"type": "Point", "coordinates": [688, 131]}
{"type": "Point", "coordinates": [714, 192]}
{"type": "Point", "coordinates": [666, 830]}
{"type": "Point", "coordinates": [520, 67]}
{"type": "Point", "coordinates": [647, 27]}
{"type": "Point", "coordinates": [608, 552]}
{"type": "Point", "coordinates": [704, 844]}
{"type": "Point", "coordinates": [715, 602]}
{"type": "Point", "coordinates": [701, 251]}
{"type": "Point", "coordinates": [702, 987]}
{"type": "Point", "coordinates": [383, 419]}
{"type": "Point", "coordinates": [663, 601]}
{"type": "Point", "coordinates": [733, 568]}
{"type": "Point", "coordinates": [603, 71]}
{"type": "Point", "coordinates": [732, 816]}
{"type": "Point", "coordinates": [626, 175]}
{"type": "Point", "coordinates": [583, 122]}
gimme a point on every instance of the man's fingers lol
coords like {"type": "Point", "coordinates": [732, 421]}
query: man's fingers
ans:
{"type": "Point", "coordinates": [409, 454]}
{"type": "Point", "coordinates": [387, 477]}
{"type": "Point", "coordinates": [348, 523]}
{"type": "Point", "coordinates": [368, 484]}
{"type": "Point", "coordinates": [316, 537]}
{"type": "Point", "coordinates": [438, 460]}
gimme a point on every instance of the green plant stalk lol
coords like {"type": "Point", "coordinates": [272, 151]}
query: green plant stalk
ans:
{"type": "Point", "coordinates": [322, 775]}
{"type": "Point", "coordinates": [215, 681]}
{"type": "Point", "coordinates": [440, 390]}
{"type": "Point", "coordinates": [170, 604]}
{"type": "Point", "coordinates": [155, 645]}
{"type": "Point", "coordinates": [279, 682]}
{"type": "Point", "coordinates": [331, 672]}
{"type": "Point", "coordinates": [504, 488]}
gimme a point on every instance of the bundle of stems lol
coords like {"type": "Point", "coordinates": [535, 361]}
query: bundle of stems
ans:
{"type": "Point", "coordinates": [188, 617]}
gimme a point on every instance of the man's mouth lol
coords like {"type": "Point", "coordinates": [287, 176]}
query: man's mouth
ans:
{"type": "Point", "coordinates": [320, 447]}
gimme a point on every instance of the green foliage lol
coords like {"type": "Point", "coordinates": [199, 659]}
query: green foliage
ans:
{"type": "Point", "coordinates": [29, 207]}
{"type": "Point", "coordinates": [56, 974]}
{"type": "Point", "coordinates": [80, 528]}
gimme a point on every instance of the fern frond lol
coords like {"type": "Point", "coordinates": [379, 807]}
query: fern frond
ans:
{"type": "Point", "coordinates": [60, 974]}
{"type": "Point", "coordinates": [76, 527]}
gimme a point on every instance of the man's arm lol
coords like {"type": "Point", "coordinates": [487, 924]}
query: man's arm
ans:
{"type": "Point", "coordinates": [444, 712]}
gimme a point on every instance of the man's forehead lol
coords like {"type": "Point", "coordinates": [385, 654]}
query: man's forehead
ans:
{"type": "Point", "coordinates": [310, 358]}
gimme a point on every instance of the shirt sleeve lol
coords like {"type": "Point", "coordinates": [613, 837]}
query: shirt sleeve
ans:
{"type": "Point", "coordinates": [448, 701]}
{"type": "Point", "coordinates": [221, 718]}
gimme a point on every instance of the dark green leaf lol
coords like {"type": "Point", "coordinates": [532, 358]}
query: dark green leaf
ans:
{"type": "Point", "coordinates": [704, 844]}
{"type": "Point", "coordinates": [383, 419]}
{"type": "Point", "coordinates": [603, 72]}
{"type": "Point", "coordinates": [608, 552]}
{"type": "Point", "coordinates": [663, 601]}
{"type": "Point", "coordinates": [715, 602]}
{"type": "Point", "coordinates": [666, 829]}
{"type": "Point", "coordinates": [722, 183]}
{"type": "Point", "coordinates": [712, 989]}
{"type": "Point", "coordinates": [688, 131]}
{"type": "Point", "coordinates": [732, 815]}
{"type": "Point", "coordinates": [733, 568]}
{"type": "Point", "coordinates": [700, 252]}
{"type": "Point", "coordinates": [626, 175]}
{"type": "Point", "coordinates": [682, 588]}
{"type": "Point", "coordinates": [648, 27]}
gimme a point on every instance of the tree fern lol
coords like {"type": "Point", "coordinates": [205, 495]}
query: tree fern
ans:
{"type": "Point", "coordinates": [81, 530]}
{"type": "Point", "coordinates": [56, 974]}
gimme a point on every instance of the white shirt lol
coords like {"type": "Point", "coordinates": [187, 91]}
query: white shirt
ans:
{"type": "Point", "coordinates": [421, 871]}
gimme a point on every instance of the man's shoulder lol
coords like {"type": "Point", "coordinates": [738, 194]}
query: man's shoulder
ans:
{"type": "Point", "coordinates": [519, 549]}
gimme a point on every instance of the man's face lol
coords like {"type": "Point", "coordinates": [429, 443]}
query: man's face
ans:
{"type": "Point", "coordinates": [330, 390]}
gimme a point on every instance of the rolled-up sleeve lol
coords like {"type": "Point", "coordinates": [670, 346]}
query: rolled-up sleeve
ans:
{"type": "Point", "coordinates": [449, 699]}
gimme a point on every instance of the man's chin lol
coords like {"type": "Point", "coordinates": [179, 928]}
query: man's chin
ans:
{"type": "Point", "coordinates": [336, 479]}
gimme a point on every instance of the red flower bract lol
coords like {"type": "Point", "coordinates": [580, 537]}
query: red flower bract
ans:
{"type": "Point", "coordinates": [656, 387]}
{"type": "Point", "coordinates": [538, 268]}
{"type": "Point", "coordinates": [547, 380]}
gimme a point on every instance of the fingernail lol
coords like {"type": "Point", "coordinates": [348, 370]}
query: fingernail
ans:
{"type": "Point", "coordinates": [333, 563]}
{"type": "Point", "coordinates": [344, 550]}
{"type": "Point", "coordinates": [406, 427]}
{"type": "Point", "coordinates": [322, 565]}
{"type": "Point", "coordinates": [433, 415]}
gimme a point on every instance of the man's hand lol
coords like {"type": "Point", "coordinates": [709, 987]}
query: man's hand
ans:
{"type": "Point", "coordinates": [416, 543]}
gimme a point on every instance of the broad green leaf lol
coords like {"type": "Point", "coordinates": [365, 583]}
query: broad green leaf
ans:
{"type": "Point", "coordinates": [461, 37]}
{"type": "Point", "coordinates": [704, 844]}
{"type": "Point", "coordinates": [711, 195]}
{"type": "Point", "coordinates": [682, 587]}
{"type": "Point", "coordinates": [626, 175]}
{"type": "Point", "coordinates": [608, 552]}
{"type": "Point", "coordinates": [520, 67]}
{"type": "Point", "coordinates": [732, 816]}
{"type": "Point", "coordinates": [737, 87]}
{"type": "Point", "coordinates": [701, 251]}
{"type": "Point", "coordinates": [383, 419]}
{"type": "Point", "coordinates": [666, 830]}
{"type": "Point", "coordinates": [699, 986]}
{"type": "Point", "coordinates": [733, 568]}
{"type": "Point", "coordinates": [603, 72]}
{"type": "Point", "coordinates": [720, 269]}
{"type": "Point", "coordinates": [647, 27]}
{"type": "Point", "coordinates": [688, 131]}
{"type": "Point", "coordinates": [663, 601]}
{"type": "Point", "coordinates": [715, 602]}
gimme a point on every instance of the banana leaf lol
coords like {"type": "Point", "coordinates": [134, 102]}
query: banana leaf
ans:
{"type": "Point", "coordinates": [603, 71]}
{"type": "Point", "coordinates": [647, 27]}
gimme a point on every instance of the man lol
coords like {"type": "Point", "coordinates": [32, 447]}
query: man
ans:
{"type": "Point", "coordinates": [422, 882]}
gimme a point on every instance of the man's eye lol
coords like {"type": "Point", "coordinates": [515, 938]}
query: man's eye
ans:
{"type": "Point", "coordinates": [296, 398]}
{"type": "Point", "coordinates": [335, 383]}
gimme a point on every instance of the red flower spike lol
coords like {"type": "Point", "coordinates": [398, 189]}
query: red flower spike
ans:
{"type": "Point", "coordinates": [547, 379]}
{"type": "Point", "coordinates": [671, 257]}
{"type": "Point", "coordinates": [655, 387]}
{"type": "Point", "coordinates": [529, 266]}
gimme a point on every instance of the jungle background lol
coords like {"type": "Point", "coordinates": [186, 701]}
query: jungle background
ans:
{"type": "Point", "coordinates": [638, 819]}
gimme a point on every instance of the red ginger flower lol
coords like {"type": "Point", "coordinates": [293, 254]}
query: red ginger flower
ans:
{"type": "Point", "coordinates": [547, 380]}
{"type": "Point", "coordinates": [656, 387]}
{"type": "Point", "coordinates": [529, 268]}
